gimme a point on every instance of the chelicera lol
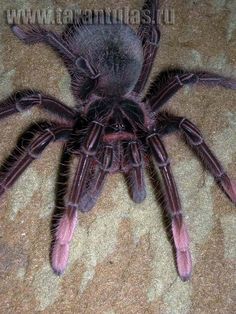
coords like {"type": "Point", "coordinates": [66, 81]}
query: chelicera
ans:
{"type": "Point", "coordinates": [112, 127]}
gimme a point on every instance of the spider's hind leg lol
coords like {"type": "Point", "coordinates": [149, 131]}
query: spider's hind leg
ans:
{"type": "Point", "coordinates": [149, 33]}
{"type": "Point", "coordinates": [196, 141]}
{"type": "Point", "coordinates": [168, 83]}
{"type": "Point", "coordinates": [41, 138]}
{"type": "Point", "coordinates": [25, 100]}
{"type": "Point", "coordinates": [32, 34]}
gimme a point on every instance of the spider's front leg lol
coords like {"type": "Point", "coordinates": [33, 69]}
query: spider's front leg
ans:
{"type": "Point", "coordinates": [18, 104]}
{"type": "Point", "coordinates": [179, 230]}
{"type": "Point", "coordinates": [33, 151]}
{"type": "Point", "coordinates": [67, 222]}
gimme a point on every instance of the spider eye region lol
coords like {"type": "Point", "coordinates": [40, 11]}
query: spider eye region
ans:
{"type": "Point", "coordinates": [119, 127]}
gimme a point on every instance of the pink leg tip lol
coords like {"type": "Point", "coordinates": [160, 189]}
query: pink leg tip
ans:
{"type": "Point", "coordinates": [180, 233]}
{"type": "Point", "coordinates": [66, 227]}
{"type": "Point", "coordinates": [184, 264]}
{"type": "Point", "coordinates": [60, 253]}
{"type": "Point", "coordinates": [229, 187]}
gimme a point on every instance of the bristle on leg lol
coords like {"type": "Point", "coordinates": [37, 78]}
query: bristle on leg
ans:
{"type": "Point", "coordinates": [67, 226]}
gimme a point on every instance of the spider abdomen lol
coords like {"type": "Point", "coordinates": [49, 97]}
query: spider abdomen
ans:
{"type": "Point", "coordinates": [115, 54]}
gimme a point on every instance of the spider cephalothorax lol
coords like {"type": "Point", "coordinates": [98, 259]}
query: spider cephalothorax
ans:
{"type": "Point", "coordinates": [112, 128]}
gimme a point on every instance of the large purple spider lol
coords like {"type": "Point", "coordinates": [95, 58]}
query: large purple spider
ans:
{"type": "Point", "coordinates": [112, 128]}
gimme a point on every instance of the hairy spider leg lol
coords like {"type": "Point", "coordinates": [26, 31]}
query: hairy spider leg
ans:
{"type": "Point", "coordinates": [196, 141]}
{"type": "Point", "coordinates": [175, 82]}
{"type": "Point", "coordinates": [179, 230]}
{"type": "Point", "coordinates": [67, 222]}
{"type": "Point", "coordinates": [33, 151]}
{"type": "Point", "coordinates": [149, 33]}
{"type": "Point", "coordinates": [32, 34]}
{"type": "Point", "coordinates": [26, 102]}
{"type": "Point", "coordinates": [83, 83]}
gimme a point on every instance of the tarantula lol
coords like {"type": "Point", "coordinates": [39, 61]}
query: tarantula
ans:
{"type": "Point", "coordinates": [113, 128]}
